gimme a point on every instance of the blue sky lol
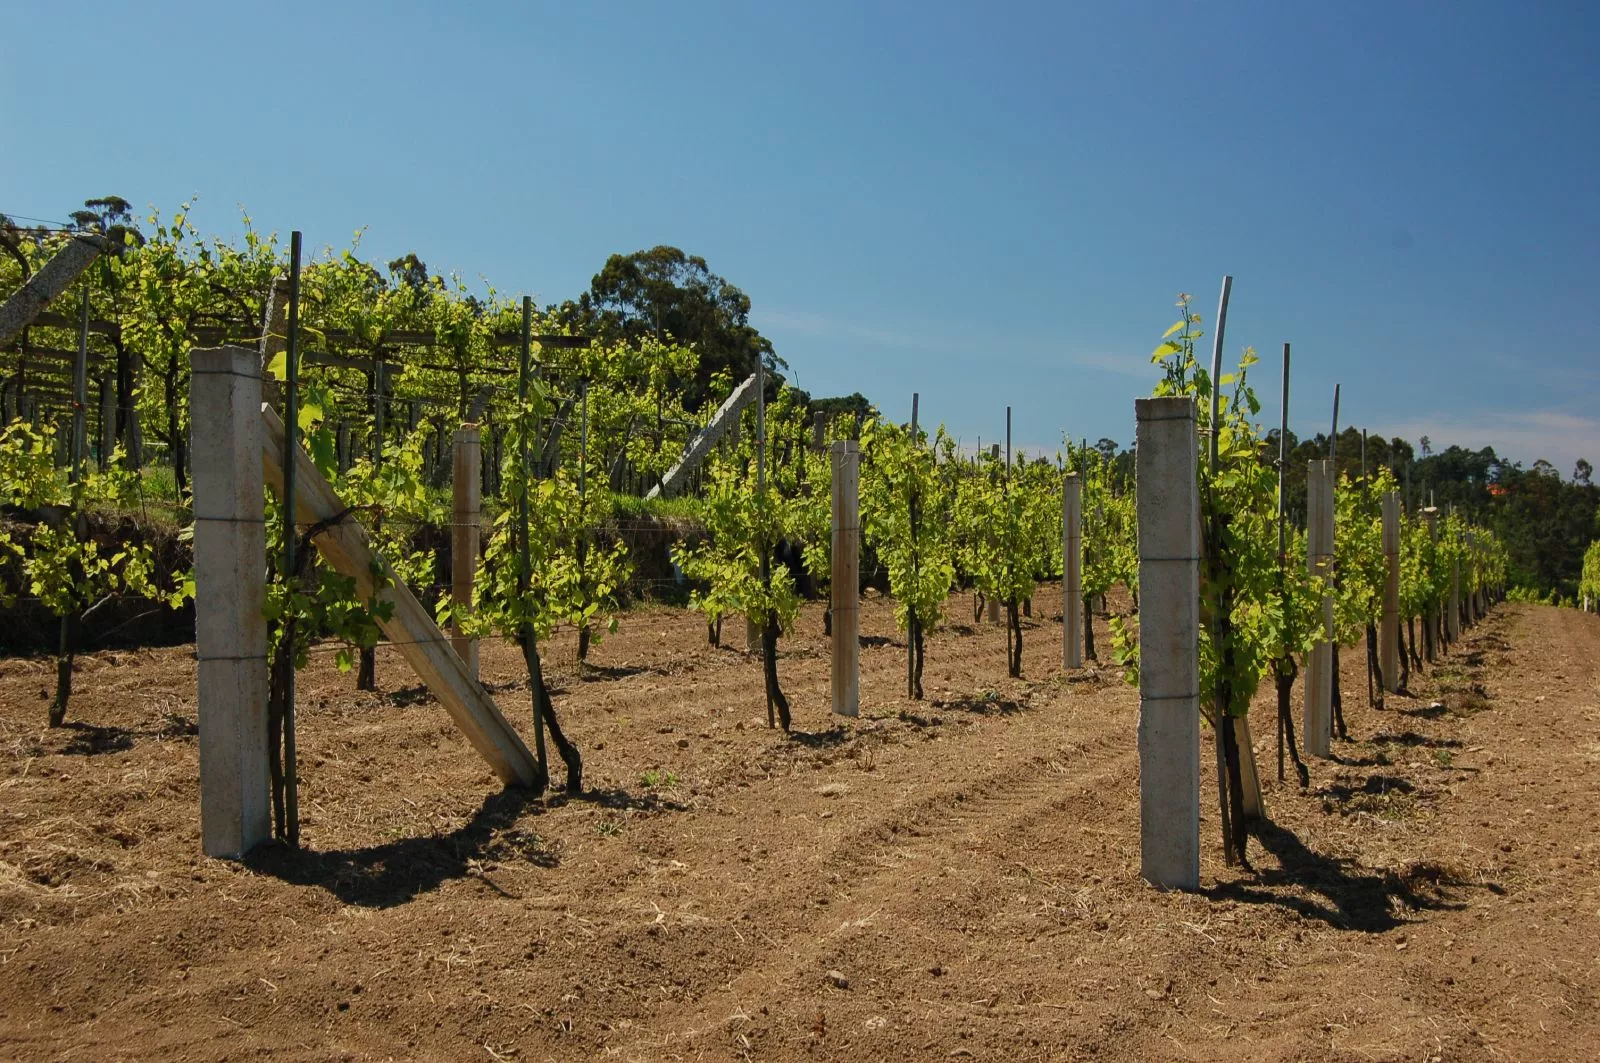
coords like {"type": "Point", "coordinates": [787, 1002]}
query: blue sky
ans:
{"type": "Point", "coordinates": [989, 204]}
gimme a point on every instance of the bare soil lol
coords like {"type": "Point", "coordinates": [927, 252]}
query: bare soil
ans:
{"type": "Point", "coordinates": [956, 878]}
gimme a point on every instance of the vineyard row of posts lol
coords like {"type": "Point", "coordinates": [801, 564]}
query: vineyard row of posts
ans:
{"type": "Point", "coordinates": [341, 349]}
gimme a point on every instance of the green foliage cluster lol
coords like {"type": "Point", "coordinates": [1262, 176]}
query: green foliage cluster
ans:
{"type": "Point", "coordinates": [1110, 524]}
{"type": "Point", "coordinates": [1589, 583]}
{"type": "Point", "coordinates": [904, 499]}
{"type": "Point", "coordinates": [1255, 610]}
{"type": "Point", "coordinates": [1360, 565]}
{"type": "Point", "coordinates": [54, 560]}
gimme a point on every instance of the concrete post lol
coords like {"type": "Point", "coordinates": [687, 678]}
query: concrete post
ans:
{"type": "Point", "coordinates": [1072, 573]}
{"type": "Point", "coordinates": [230, 564]}
{"type": "Point", "coordinates": [1389, 620]}
{"type": "Point", "coordinates": [846, 580]}
{"type": "Point", "coordinates": [466, 487]}
{"type": "Point", "coordinates": [994, 610]}
{"type": "Point", "coordinates": [1317, 721]}
{"type": "Point", "coordinates": [1169, 634]}
{"type": "Point", "coordinates": [819, 425]}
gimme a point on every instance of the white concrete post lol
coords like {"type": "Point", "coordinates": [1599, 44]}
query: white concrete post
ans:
{"type": "Point", "coordinates": [846, 579]}
{"type": "Point", "coordinates": [1317, 721]}
{"type": "Point", "coordinates": [230, 564]}
{"type": "Point", "coordinates": [466, 486]}
{"type": "Point", "coordinates": [1072, 573]}
{"type": "Point", "coordinates": [1389, 620]}
{"type": "Point", "coordinates": [1169, 642]}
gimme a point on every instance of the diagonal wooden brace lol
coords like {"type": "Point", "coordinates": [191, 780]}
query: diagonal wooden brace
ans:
{"type": "Point", "coordinates": [425, 647]}
{"type": "Point", "coordinates": [53, 278]}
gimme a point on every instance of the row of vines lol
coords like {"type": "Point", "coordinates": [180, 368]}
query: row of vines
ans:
{"type": "Point", "coordinates": [1262, 603]}
{"type": "Point", "coordinates": [394, 360]}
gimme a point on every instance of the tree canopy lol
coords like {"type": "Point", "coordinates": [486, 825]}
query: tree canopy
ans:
{"type": "Point", "coordinates": [664, 293]}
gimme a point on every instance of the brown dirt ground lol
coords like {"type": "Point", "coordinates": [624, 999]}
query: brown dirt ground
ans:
{"type": "Point", "coordinates": [952, 879]}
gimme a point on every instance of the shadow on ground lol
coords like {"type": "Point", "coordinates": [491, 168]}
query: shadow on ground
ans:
{"type": "Point", "coordinates": [833, 736]}
{"type": "Point", "coordinates": [391, 874]}
{"type": "Point", "coordinates": [594, 673]}
{"type": "Point", "coordinates": [92, 740]}
{"type": "Point", "coordinates": [988, 703]}
{"type": "Point", "coordinates": [1342, 894]}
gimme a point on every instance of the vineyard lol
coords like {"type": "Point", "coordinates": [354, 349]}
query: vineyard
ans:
{"type": "Point", "coordinates": [955, 735]}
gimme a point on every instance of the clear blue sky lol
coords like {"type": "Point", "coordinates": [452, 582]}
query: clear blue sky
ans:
{"type": "Point", "coordinates": [990, 204]}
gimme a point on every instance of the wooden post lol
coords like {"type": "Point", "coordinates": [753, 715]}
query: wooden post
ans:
{"type": "Point", "coordinates": [1452, 615]}
{"type": "Point", "coordinates": [846, 580]}
{"type": "Point", "coordinates": [1317, 722]}
{"type": "Point", "coordinates": [230, 563]}
{"type": "Point", "coordinates": [1072, 572]}
{"type": "Point", "coordinates": [108, 420]}
{"type": "Point", "coordinates": [1473, 614]}
{"type": "Point", "coordinates": [1169, 636]}
{"type": "Point", "coordinates": [1480, 604]}
{"type": "Point", "coordinates": [466, 488]}
{"type": "Point", "coordinates": [1430, 620]}
{"type": "Point", "coordinates": [914, 521]}
{"type": "Point", "coordinates": [1389, 620]}
{"type": "Point", "coordinates": [342, 446]}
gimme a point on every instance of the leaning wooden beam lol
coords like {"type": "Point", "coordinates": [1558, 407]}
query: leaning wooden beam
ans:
{"type": "Point", "coordinates": [727, 415]}
{"type": "Point", "coordinates": [413, 632]}
{"type": "Point", "coordinates": [53, 278]}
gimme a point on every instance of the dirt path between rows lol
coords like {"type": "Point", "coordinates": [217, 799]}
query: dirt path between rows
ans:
{"type": "Point", "coordinates": [950, 879]}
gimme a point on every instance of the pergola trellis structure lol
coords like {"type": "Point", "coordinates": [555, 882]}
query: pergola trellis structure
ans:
{"type": "Point", "coordinates": [36, 379]}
